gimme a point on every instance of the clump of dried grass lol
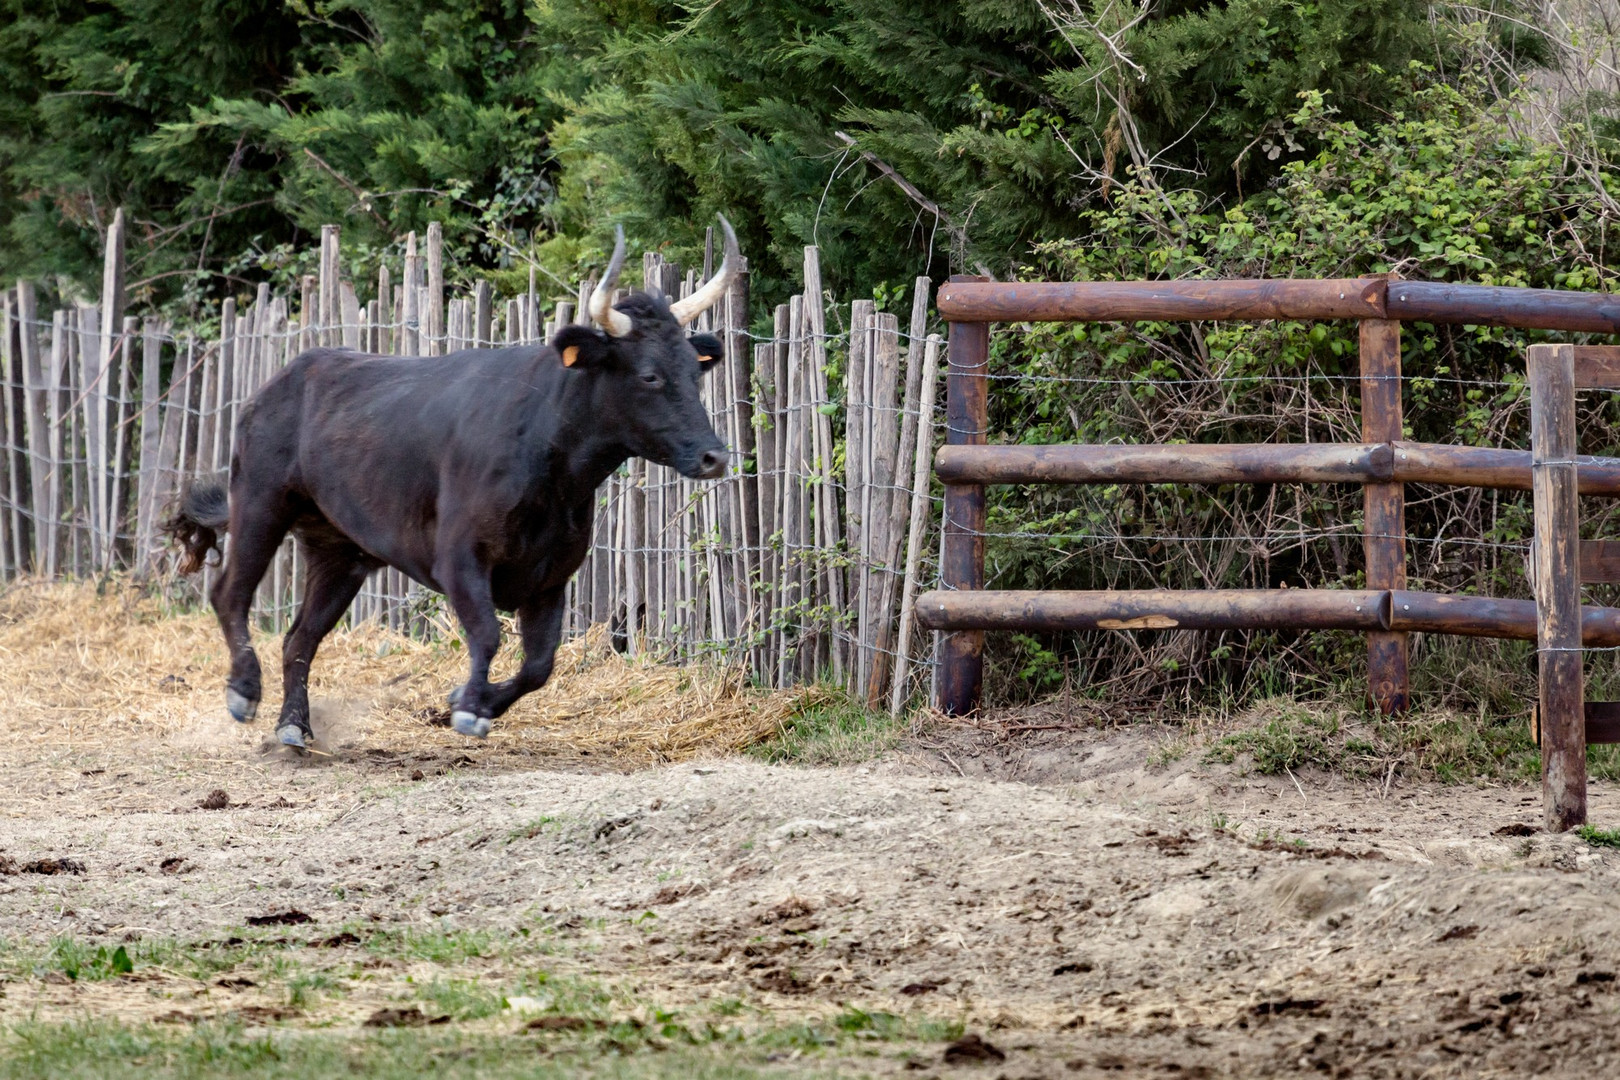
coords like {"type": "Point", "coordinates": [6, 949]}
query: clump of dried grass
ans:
{"type": "Point", "coordinates": [89, 667]}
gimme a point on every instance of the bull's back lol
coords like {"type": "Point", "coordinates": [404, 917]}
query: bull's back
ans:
{"type": "Point", "coordinates": [385, 443]}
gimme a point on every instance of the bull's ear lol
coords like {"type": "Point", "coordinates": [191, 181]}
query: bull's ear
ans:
{"type": "Point", "coordinates": [581, 346]}
{"type": "Point", "coordinates": [710, 351]}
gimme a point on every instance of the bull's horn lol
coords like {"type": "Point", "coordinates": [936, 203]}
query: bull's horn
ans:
{"type": "Point", "coordinates": [708, 296]}
{"type": "Point", "coordinates": [615, 322]}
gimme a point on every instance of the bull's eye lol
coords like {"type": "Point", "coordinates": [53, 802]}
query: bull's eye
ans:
{"type": "Point", "coordinates": [652, 379]}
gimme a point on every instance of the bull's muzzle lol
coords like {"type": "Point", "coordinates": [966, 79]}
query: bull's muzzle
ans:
{"type": "Point", "coordinates": [711, 465]}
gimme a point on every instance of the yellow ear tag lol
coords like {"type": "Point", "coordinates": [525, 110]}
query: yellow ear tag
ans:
{"type": "Point", "coordinates": [570, 356]}
{"type": "Point", "coordinates": [704, 358]}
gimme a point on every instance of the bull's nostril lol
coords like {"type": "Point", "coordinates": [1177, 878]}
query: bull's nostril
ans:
{"type": "Point", "coordinates": [713, 462]}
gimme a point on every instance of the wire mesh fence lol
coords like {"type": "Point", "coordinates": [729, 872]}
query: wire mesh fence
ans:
{"type": "Point", "coordinates": [795, 565]}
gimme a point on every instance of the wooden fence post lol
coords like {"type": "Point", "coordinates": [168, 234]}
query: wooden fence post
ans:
{"type": "Point", "coordinates": [967, 420]}
{"type": "Point", "coordinates": [1558, 588]}
{"type": "Point", "coordinates": [1385, 513]}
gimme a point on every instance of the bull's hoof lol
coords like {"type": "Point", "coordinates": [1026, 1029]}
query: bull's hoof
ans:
{"type": "Point", "coordinates": [455, 695]}
{"type": "Point", "coordinates": [241, 709]}
{"type": "Point", "coordinates": [292, 735]}
{"type": "Point", "coordinates": [466, 723]}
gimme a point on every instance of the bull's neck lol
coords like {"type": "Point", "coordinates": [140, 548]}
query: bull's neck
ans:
{"type": "Point", "coordinates": [584, 450]}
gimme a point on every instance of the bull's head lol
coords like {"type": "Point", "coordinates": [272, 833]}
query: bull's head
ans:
{"type": "Point", "coordinates": [650, 366]}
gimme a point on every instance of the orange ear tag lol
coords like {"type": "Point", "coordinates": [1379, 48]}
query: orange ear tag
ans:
{"type": "Point", "coordinates": [570, 356]}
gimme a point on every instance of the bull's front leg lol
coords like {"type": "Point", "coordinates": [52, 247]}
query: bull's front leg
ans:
{"type": "Point", "coordinates": [466, 584]}
{"type": "Point", "coordinates": [540, 622]}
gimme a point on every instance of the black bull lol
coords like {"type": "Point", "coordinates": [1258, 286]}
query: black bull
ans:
{"type": "Point", "coordinates": [475, 474]}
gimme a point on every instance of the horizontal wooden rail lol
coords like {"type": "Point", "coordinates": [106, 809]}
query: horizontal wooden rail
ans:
{"type": "Point", "coordinates": [1260, 463]}
{"type": "Point", "coordinates": [1279, 298]}
{"type": "Point", "coordinates": [1599, 562]}
{"type": "Point", "coordinates": [1155, 609]}
{"type": "Point", "coordinates": [1502, 305]}
{"type": "Point", "coordinates": [1251, 609]}
{"type": "Point", "coordinates": [1597, 367]}
{"type": "Point", "coordinates": [1119, 463]}
{"type": "Point", "coordinates": [1136, 301]}
{"type": "Point", "coordinates": [1602, 722]}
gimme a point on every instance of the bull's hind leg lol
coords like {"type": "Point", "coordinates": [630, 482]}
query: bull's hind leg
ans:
{"type": "Point", "coordinates": [334, 574]}
{"type": "Point", "coordinates": [256, 531]}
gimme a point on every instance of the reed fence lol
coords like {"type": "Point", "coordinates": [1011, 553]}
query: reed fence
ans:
{"type": "Point", "coordinates": [797, 564]}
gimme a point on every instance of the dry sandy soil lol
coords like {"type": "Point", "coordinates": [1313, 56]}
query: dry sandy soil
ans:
{"type": "Point", "coordinates": [1083, 909]}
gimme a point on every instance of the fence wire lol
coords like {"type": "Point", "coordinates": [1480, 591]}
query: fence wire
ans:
{"type": "Point", "coordinates": [796, 564]}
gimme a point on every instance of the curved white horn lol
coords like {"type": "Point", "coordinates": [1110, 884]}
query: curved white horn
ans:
{"type": "Point", "coordinates": [602, 310]}
{"type": "Point", "coordinates": [708, 296]}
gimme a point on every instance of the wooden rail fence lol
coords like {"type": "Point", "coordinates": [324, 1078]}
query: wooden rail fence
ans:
{"type": "Point", "coordinates": [789, 567]}
{"type": "Point", "coordinates": [1383, 463]}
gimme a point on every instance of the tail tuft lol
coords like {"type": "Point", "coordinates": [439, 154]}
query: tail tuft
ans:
{"type": "Point", "coordinates": [202, 515]}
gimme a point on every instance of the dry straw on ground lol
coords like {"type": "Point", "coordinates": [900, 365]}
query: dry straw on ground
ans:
{"type": "Point", "coordinates": [88, 666]}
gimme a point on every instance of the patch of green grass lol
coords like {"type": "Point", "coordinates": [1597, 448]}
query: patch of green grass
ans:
{"type": "Point", "coordinates": [569, 995]}
{"type": "Point", "coordinates": [81, 963]}
{"type": "Point", "coordinates": [530, 830]}
{"type": "Point", "coordinates": [462, 999]}
{"type": "Point", "coordinates": [658, 1044]}
{"type": "Point", "coordinates": [95, 1050]}
{"type": "Point", "coordinates": [1169, 752]}
{"type": "Point", "coordinates": [1599, 837]}
{"type": "Point", "coordinates": [1437, 745]}
{"type": "Point", "coordinates": [861, 1025]}
{"type": "Point", "coordinates": [436, 946]}
{"type": "Point", "coordinates": [838, 732]}
{"type": "Point", "coordinates": [1294, 739]}
{"type": "Point", "coordinates": [307, 988]}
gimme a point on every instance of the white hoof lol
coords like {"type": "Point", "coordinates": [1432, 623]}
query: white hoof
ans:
{"type": "Point", "coordinates": [291, 735]}
{"type": "Point", "coordinates": [241, 709]}
{"type": "Point", "coordinates": [465, 723]}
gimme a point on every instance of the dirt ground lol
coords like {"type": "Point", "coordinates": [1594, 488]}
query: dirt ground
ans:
{"type": "Point", "coordinates": [1083, 910]}
{"type": "Point", "coordinates": [1069, 897]}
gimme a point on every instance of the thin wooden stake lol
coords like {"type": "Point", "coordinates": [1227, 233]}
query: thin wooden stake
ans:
{"type": "Point", "coordinates": [386, 337]}
{"type": "Point", "coordinates": [884, 548]}
{"type": "Point", "coordinates": [482, 303]}
{"type": "Point", "coordinates": [120, 466]}
{"type": "Point", "coordinates": [435, 290]}
{"type": "Point", "coordinates": [148, 477]}
{"type": "Point", "coordinates": [36, 404]}
{"type": "Point", "coordinates": [410, 315]}
{"type": "Point", "coordinates": [919, 522]}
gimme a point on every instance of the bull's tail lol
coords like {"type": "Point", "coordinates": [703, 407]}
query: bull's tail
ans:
{"type": "Point", "coordinates": [202, 515]}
